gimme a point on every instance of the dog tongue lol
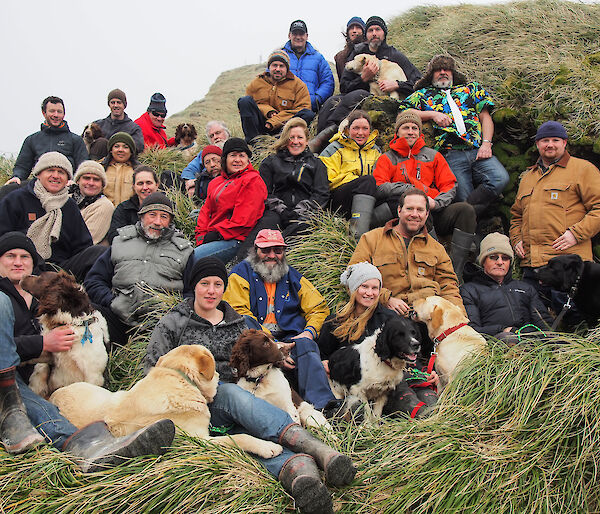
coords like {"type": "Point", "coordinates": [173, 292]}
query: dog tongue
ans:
{"type": "Point", "coordinates": [411, 356]}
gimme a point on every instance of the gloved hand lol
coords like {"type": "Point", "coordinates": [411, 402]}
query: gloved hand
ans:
{"type": "Point", "coordinates": [209, 237]}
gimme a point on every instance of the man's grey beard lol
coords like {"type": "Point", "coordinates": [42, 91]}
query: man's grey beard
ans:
{"type": "Point", "coordinates": [271, 276]}
{"type": "Point", "coordinates": [438, 84]}
{"type": "Point", "coordinates": [375, 44]}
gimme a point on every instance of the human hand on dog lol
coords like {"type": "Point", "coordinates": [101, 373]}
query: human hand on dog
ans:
{"type": "Point", "coordinates": [388, 86]}
{"type": "Point", "coordinates": [400, 306]}
{"type": "Point", "coordinates": [286, 348]}
{"type": "Point", "coordinates": [565, 241]}
{"type": "Point", "coordinates": [434, 379]}
{"type": "Point", "coordinates": [369, 70]}
{"type": "Point", "coordinates": [59, 339]}
{"type": "Point", "coordinates": [519, 249]}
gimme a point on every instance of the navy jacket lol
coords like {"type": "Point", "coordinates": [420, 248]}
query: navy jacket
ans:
{"type": "Point", "coordinates": [492, 307]}
{"type": "Point", "coordinates": [49, 139]}
{"type": "Point", "coordinates": [110, 127]}
{"type": "Point", "coordinates": [19, 209]}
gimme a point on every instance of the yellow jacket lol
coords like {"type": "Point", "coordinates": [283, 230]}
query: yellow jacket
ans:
{"type": "Point", "coordinates": [421, 270]}
{"type": "Point", "coordinates": [345, 161]}
{"type": "Point", "coordinates": [285, 99]}
{"type": "Point", "coordinates": [567, 196]}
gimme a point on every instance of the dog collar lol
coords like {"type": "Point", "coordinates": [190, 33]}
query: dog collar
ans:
{"type": "Point", "coordinates": [185, 377]}
{"type": "Point", "coordinates": [446, 333]}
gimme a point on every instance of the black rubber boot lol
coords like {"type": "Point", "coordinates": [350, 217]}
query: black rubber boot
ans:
{"type": "Point", "coordinates": [381, 215]}
{"type": "Point", "coordinates": [320, 141]}
{"type": "Point", "coordinates": [480, 198]}
{"type": "Point", "coordinates": [299, 476]}
{"type": "Point", "coordinates": [95, 448]}
{"type": "Point", "coordinates": [362, 211]}
{"type": "Point", "coordinates": [16, 431]}
{"type": "Point", "coordinates": [459, 251]}
{"type": "Point", "coordinates": [349, 409]}
{"type": "Point", "coordinates": [338, 468]}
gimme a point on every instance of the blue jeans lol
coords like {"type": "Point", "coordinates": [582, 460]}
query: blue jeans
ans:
{"type": "Point", "coordinates": [313, 385]}
{"type": "Point", "coordinates": [471, 173]}
{"type": "Point", "coordinates": [223, 250]}
{"type": "Point", "coordinates": [43, 415]}
{"type": "Point", "coordinates": [248, 414]}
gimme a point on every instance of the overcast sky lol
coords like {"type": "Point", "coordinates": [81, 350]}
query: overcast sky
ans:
{"type": "Point", "coordinates": [80, 50]}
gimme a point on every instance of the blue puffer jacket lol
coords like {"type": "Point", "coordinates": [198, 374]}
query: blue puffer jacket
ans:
{"type": "Point", "coordinates": [312, 69]}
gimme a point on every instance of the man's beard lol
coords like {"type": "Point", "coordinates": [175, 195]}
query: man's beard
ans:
{"type": "Point", "coordinates": [270, 276]}
{"type": "Point", "coordinates": [374, 44]}
{"type": "Point", "coordinates": [442, 84]}
{"type": "Point", "coordinates": [151, 234]}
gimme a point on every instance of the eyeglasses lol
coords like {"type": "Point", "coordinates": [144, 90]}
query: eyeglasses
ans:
{"type": "Point", "coordinates": [159, 114]}
{"type": "Point", "coordinates": [277, 250]}
{"type": "Point", "coordinates": [499, 256]}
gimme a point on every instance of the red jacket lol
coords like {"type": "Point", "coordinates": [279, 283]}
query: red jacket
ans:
{"type": "Point", "coordinates": [234, 203]}
{"type": "Point", "coordinates": [153, 136]}
{"type": "Point", "coordinates": [420, 166]}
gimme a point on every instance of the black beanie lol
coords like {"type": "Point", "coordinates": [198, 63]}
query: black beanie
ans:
{"type": "Point", "coordinates": [208, 267]}
{"type": "Point", "coordinates": [12, 240]}
{"type": "Point", "coordinates": [376, 20]}
{"type": "Point", "coordinates": [157, 103]}
{"type": "Point", "coordinates": [236, 144]}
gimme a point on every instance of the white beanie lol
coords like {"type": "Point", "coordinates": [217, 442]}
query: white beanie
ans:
{"type": "Point", "coordinates": [358, 274]}
{"type": "Point", "coordinates": [494, 243]}
{"type": "Point", "coordinates": [53, 160]}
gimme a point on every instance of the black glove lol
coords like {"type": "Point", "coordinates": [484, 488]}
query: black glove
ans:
{"type": "Point", "coordinates": [209, 237]}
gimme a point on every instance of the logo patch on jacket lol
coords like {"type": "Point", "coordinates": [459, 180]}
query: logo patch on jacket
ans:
{"type": "Point", "coordinates": [420, 270]}
{"type": "Point", "coordinates": [553, 195]}
{"type": "Point", "coordinates": [31, 216]}
{"type": "Point", "coordinates": [284, 102]}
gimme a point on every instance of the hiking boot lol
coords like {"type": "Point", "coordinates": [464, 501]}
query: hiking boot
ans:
{"type": "Point", "coordinates": [299, 476]}
{"type": "Point", "coordinates": [320, 141]}
{"type": "Point", "coordinates": [95, 448]}
{"type": "Point", "coordinates": [459, 251]}
{"type": "Point", "coordinates": [349, 409]}
{"type": "Point", "coordinates": [362, 211]}
{"type": "Point", "coordinates": [338, 468]}
{"type": "Point", "coordinates": [16, 432]}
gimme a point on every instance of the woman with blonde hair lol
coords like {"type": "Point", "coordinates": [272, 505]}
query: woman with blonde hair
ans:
{"type": "Point", "coordinates": [360, 317]}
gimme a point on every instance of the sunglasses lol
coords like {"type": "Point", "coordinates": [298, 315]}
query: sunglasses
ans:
{"type": "Point", "coordinates": [159, 114]}
{"type": "Point", "coordinates": [277, 250]}
{"type": "Point", "coordinates": [499, 256]}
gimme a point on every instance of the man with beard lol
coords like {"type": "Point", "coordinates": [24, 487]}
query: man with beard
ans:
{"type": "Point", "coordinates": [355, 87]}
{"type": "Point", "coordinates": [355, 34]}
{"type": "Point", "coordinates": [463, 128]}
{"type": "Point", "coordinates": [265, 288]}
{"type": "Point", "coordinates": [149, 255]}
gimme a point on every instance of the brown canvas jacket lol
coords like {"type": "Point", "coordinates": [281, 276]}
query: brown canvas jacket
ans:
{"type": "Point", "coordinates": [566, 196]}
{"type": "Point", "coordinates": [421, 270]}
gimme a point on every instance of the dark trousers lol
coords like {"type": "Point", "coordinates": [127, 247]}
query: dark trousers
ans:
{"type": "Point", "coordinates": [80, 263]}
{"type": "Point", "coordinates": [253, 120]}
{"type": "Point", "coordinates": [460, 215]}
{"type": "Point", "coordinates": [337, 107]}
{"type": "Point", "coordinates": [342, 196]}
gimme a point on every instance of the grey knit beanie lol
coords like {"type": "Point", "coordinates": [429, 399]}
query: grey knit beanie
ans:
{"type": "Point", "coordinates": [494, 243]}
{"type": "Point", "coordinates": [358, 274]}
{"type": "Point", "coordinates": [91, 168]}
{"type": "Point", "coordinates": [53, 160]}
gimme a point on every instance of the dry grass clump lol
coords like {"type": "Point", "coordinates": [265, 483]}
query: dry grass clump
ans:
{"type": "Point", "coordinates": [6, 167]}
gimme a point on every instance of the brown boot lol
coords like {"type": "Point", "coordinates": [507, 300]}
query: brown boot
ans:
{"type": "Point", "coordinates": [338, 468]}
{"type": "Point", "coordinates": [16, 431]}
{"type": "Point", "coordinates": [320, 141]}
{"type": "Point", "coordinates": [299, 476]}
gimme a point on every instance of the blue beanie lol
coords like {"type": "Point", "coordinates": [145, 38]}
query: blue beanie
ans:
{"type": "Point", "coordinates": [551, 129]}
{"type": "Point", "coordinates": [356, 20]}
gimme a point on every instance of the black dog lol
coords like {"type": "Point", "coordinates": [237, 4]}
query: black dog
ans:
{"type": "Point", "coordinates": [564, 272]}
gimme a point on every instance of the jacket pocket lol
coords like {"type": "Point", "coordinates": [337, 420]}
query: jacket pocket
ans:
{"type": "Point", "coordinates": [555, 194]}
{"type": "Point", "coordinates": [524, 193]}
{"type": "Point", "coordinates": [425, 265]}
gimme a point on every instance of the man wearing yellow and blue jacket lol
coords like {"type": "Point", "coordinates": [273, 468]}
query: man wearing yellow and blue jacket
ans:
{"type": "Point", "coordinates": [265, 288]}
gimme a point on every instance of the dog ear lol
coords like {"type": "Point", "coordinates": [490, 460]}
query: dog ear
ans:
{"type": "Point", "coordinates": [437, 317]}
{"type": "Point", "coordinates": [383, 346]}
{"type": "Point", "coordinates": [206, 365]}
{"type": "Point", "coordinates": [240, 354]}
{"type": "Point", "coordinates": [572, 263]}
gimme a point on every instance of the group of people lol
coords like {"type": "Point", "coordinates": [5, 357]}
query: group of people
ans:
{"type": "Point", "coordinates": [111, 225]}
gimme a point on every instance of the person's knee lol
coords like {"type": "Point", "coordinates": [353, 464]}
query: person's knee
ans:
{"type": "Point", "coordinates": [246, 103]}
{"type": "Point", "coordinates": [233, 395]}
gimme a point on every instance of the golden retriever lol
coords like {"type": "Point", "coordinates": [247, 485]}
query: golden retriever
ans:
{"type": "Point", "coordinates": [179, 387]}
{"type": "Point", "coordinates": [441, 317]}
{"type": "Point", "coordinates": [388, 70]}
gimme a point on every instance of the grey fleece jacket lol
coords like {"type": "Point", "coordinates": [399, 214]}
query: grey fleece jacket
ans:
{"type": "Point", "coordinates": [183, 326]}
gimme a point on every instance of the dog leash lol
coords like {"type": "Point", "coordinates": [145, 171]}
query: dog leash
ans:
{"type": "Point", "coordinates": [570, 295]}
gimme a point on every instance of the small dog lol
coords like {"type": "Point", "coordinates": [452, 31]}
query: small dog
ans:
{"type": "Point", "coordinates": [562, 272]}
{"type": "Point", "coordinates": [372, 369]}
{"type": "Point", "coordinates": [64, 302]}
{"type": "Point", "coordinates": [388, 70]}
{"type": "Point", "coordinates": [179, 387]}
{"type": "Point", "coordinates": [185, 138]}
{"type": "Point", "coordinates": [448, 328]}
{"type": "Point", "coordinates": [254, 357]}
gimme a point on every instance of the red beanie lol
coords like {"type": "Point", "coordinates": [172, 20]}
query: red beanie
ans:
{"type": "Point", "coordinates": [211, 149]}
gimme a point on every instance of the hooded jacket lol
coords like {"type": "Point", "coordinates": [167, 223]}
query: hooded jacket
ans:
{"type": "Point", "coordinates": [234, 203]}
{"type": "Point", "coordinates": [49, 139]}
{"type": "Point", "coordinates": [153, 136]}
{"type": "Point", "coordinates": [293, 179]}
{"type": "Point", "coordinates": [346, 161]}
{"type": "Point", "coordinates": [351, 81]}
{"type": "Point", "coordinates": [419, 166]}
{"type": "Point", "coordinates": [312, 69]}
{"type": "Point", "coordinates": [492, 307]}
{"type": "Point", "coordinates": [182, 325]}
{"type": "Point", "coordinates": [111, 126]}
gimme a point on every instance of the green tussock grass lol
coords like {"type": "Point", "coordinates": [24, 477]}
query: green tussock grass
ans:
{"type": "Point", "coordinates": [6, 167]}
{"type": "Point", "coordinates": [163, 159]}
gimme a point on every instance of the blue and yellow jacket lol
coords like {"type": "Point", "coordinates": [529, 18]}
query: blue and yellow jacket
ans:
{"type": "Point", "coordinates": [298, 305]}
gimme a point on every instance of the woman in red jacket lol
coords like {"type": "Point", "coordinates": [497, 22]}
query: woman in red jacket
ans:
{"type": "Point", "coordinates": [409, 163]}
{"type": "Point", "coordinates": [235, 201]}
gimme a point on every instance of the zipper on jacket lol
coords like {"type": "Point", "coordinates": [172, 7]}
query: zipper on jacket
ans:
{"type": "Point", "coordinates": [503, 289]}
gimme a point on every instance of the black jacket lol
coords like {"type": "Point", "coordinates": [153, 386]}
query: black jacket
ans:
{"type": "Point", "coordinates": [295, 178]}
{"type": "Point", "coordinates": [49, 139]}
{"type": "Point", "coordinates": [351, 81]}
{"type": "Point", "coordinates": [19, 209]}
{"type": "Point", "coordinates": [328, 343]}
{"type": "Point", "coordinates": [27, 329]}
{"type": "Point", "coordinates": [126, 213]}
{"type": "Point", "coordinates": [110, 127]}
{"type": "Point", "coordinates": [492, 307]}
